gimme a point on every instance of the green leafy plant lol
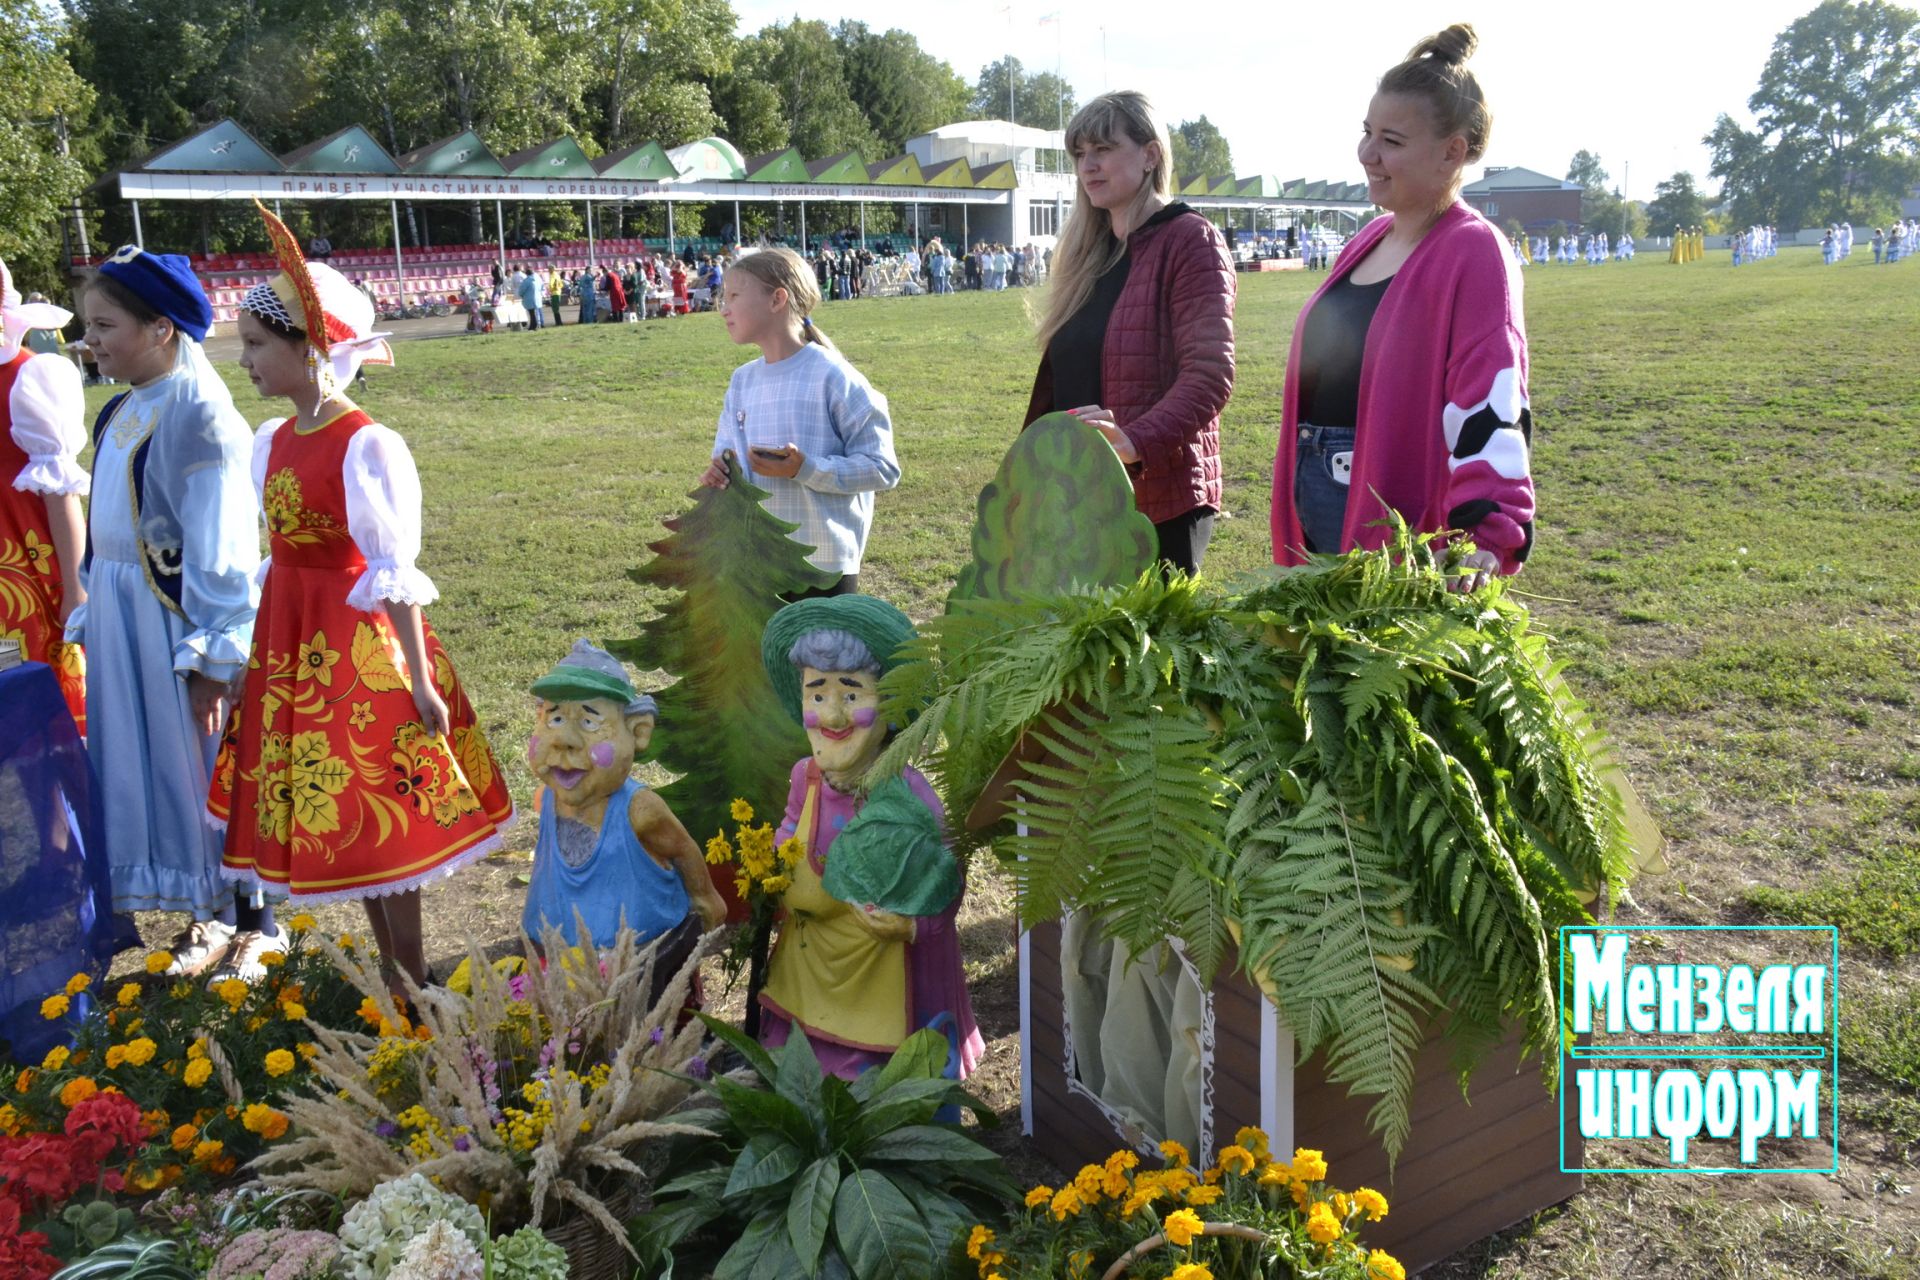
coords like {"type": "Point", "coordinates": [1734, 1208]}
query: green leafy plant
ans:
{"type": "Point", "coordinates": [1377, 788]}
{"type": "Point", "coordinates": [815, 1176]}
{"type": "Point", "coordinates": [726, 562]}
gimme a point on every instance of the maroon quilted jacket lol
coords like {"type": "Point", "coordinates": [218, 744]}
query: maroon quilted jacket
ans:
{"type": "Point", "coordinates": [1167, 367]}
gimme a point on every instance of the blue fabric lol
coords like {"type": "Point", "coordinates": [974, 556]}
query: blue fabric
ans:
{"type": "Point", "coordinates": [1318, 496]}
{"type": "Point", "coordinates": [54, 885]}
{"type": "Point", "coordinates": [619, 881]}
{"type": "Point", "coordinates": [165, 282]}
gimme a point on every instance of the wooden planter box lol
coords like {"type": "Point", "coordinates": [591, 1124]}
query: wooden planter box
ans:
{"type": "Point", "coordinates": [1467, 1170]}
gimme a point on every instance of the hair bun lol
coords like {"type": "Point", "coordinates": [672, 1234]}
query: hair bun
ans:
{"type": "Point", "coordinates": [1452, 46]}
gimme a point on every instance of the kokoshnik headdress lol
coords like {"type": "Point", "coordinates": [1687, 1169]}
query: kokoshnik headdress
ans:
{"type": "Point", "coordinates": [337, 318]}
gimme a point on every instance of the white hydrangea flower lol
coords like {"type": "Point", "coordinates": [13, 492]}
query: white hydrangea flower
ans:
{"type": "Point", "coordinates": [375, 1233]}
{"type": "Point", "coordinates": [440, 1252]}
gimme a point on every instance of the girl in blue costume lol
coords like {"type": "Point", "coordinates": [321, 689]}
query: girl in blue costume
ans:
{"type": "Point", "coordinates": [172, 546]}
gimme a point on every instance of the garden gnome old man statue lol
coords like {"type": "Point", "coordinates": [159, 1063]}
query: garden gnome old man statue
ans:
{"type": "Point", "coordinates": [608, 847]}
{"type": "Point", "coordinates": [868, 952]}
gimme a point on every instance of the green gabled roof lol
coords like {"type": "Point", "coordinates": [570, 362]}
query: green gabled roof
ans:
{"type": "Point", "coordinates": [555, 158]}
{"type": "Point", "coordinates": [1315, 191]}
{"type": "Point", "coordinates": [1293, 188]}
{"type": "Point", "coordinates": [994, 177]}
{"type": "Point", "coordinates": [708, 158]}
{"type": "Point", "coordinates": [351, 150]}
{"type": "Point", "coordinates": [642, 162]}
{"type": "Point", "coordinates": [948, 173]}
{"type": "Point", "coordinates": [1263, 186]}
{"type": "Point", "coordinates": [901, 171]}
{"type": "Point", "coordinates": [1356, 191]}
{"type": "Point", "coordinates": [777, 166]}
{"type": "Point", "coordinates": [221, 147]}
{"type": "Point", "coordinates": [1223, 186]}
{"type": "Point", "coordinates": [463, 154]}
{"type": "Point", "coordinates": [1191, 187]}
{"type": "Point", "coordinates": [845, 167]}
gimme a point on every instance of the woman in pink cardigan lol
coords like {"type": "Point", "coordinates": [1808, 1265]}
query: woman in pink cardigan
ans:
{"type": "Point", "coordinates": [1137, 337]}
{"type": "Point", "coordinates": [1407, 385]}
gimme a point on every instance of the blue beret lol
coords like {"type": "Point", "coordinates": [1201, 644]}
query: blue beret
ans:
{"type": "Point", "coordinates": [165, 282]}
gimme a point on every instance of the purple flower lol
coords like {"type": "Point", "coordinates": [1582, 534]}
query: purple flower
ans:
{"type": "Point", "coordinates": [658, 1035]}
{"type": "Point", "coordinates": [517, 986]}
{"type": "Point", "coordinates": [386, 1128]}
{"type": "Point", "coordinates": [697, 1068]}
{"type": "Point", "coordinates": [460, 1142]}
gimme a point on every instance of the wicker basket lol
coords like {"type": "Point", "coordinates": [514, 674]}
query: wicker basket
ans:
{"type": "Point", "coordinates": [592, 1253]}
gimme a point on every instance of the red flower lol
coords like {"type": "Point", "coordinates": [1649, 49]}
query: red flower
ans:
{"type": "Point", "coordinates": [113, 1115]}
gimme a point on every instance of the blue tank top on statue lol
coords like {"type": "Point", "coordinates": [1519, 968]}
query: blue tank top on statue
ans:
{"type": "Point", "coordinates": [619, 877]}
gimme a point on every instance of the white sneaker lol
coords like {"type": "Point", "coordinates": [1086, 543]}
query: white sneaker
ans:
{"type": "Point", "coordinates": [243, 959]}
{"type": "Point", "coordinates": [198, 948]}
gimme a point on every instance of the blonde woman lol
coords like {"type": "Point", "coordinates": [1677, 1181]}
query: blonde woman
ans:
{"type": "Point", "coordinates": [807, 425]}
{"type": "Point", "coordinates": [1136, 336]}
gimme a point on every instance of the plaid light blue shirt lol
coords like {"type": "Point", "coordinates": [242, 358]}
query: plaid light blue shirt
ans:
{"type": "Point", "coordinates": [818, 401]}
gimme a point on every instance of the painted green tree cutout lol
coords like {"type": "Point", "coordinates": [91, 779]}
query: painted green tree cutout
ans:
{"type": "Point", "coordinates": [727, 562]}
{"type": "Point", "coordinates": [1058, 513]}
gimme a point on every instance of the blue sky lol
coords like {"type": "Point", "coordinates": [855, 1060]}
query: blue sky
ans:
{"type": "Point", "coordinates": [1289, 86]}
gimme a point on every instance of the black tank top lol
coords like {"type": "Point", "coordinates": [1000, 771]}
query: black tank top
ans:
{"type": "Point", "coordinates": [1331, 350]}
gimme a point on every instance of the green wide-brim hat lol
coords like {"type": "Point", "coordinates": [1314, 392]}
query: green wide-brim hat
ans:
{"type": "Point", "coordinates": [877, 624]}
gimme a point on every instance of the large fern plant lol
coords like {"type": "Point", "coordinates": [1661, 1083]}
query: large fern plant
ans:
{"type": "Point", "coordinates": [1377, 788]}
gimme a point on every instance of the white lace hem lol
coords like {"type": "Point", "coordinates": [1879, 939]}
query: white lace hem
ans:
{"type": "Point", "coordinates": [492, 844]}
{"type": "Point", "coordinates": [53, 474]}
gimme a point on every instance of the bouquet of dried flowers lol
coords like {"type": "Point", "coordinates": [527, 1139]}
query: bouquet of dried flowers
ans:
{"type": "Point", "coordinates": [529, 1095]}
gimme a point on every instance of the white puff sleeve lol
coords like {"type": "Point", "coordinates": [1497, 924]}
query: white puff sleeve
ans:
{"type": "Point", "coordinates": [50, 426]}
{"type": "Point", "coordinates": [383, 515]}
{"type": "Point", "coordinates": [262, 451]}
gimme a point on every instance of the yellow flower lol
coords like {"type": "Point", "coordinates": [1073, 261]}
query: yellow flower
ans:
{"type": "Point", "coordinates": [1039, 1196]}
{"type": "Point", "coordinates": [77, 1090]}
{"type": "Point", "coordinates": [233, 991]}
{"type": "Point", "coordinates": [279, 1062]}
{"type": "Point", "coordinates": [196, 1073]}
{"type": "Point", "coordinates": [53, 1007]}
{"type": "Point", "coordinates": [316, 661]}
{"type": "Point", "coordinates": [116, 1054]}
{"type": "Point", "coordinates": [1322, 1226]}
{"type": "Point", "coordinates": [207, 1150]}
{"type": "Point", "coordinates": [184, 1137]}
{"type": "Point", "coordinates": [1088, 1181]}
{"type": "Point", "coordinates": [741, 885]}
{"type": "Point", "coordinates": [77, 983]}
{"type": "Point", "coordinates": [777, 884]}
{"type": "Point", "coordinates": [1308, 1165]}
{"type": "Point", "coordinates": [741, 811]}
{"type": "Point", "coordinates": [1382, 1265]}
{"type": "Point", "coordinates": [1066, 1203]}
{"type": "Point", "coordinates": [1203, 1195]}
{"type": "Point", "coordinates": [23, 1081]}
{"type": "Point", "coordinates": [55, 1059]}
{"type": "Point", "coordinates": [718, 850]}
{"type": "Point", "coordinates": [1236, 1159]}
{"type": "Point", "coordinates": [127, 995]}
{"type": "Point", "coordinates": [264, 1120]}
{"type": "Point", "coordinates": [303, 922]}
{"type": "Point", "coordinates": [977, 1239]}
{"type": "Point", "coordinates": [159, 962]}
{"type": "Point", "coordinates": [1180, 1227]}
{"type": "Point", "coordinates": [293, 1010]}
{"type": "Point", "coordinates": [274, 959]}
{"type": "Point", "coordinates": [1175, 1154]}
{"type": "Point", "coordinates": [789, 852]}
{"type": "Point", "coordinates": [140, 1052]}
{"type": "Point", "coordinates": [1144, 1193]}
{"type": "Point", "coordinates": [307, 1048]}
{"type": "Point", "coordinates": [362, 715]}
{"type": "Point", "coordinates": [198, 1049]}
{"type": "Point", "coordinates": [1253, 1139]}
{"type": "Point", "coordinates": [1371, 1203]}
{"type": "Point", "coordinates": [1276, 1175]}
{"type": "Point", "coordinates": [1191, 1271]}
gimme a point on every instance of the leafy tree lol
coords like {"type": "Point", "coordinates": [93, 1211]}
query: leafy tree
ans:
{"type": "Point", "coordinates": [903, 90]}
{"type": "Point", "coordinates": [1676, 203]}
{"type": "Point", "coordinates": [1041, 99]}
{"type": "Point", "coordinates": [1836, 111]}
{"type": "Point", "coordinates": [1200, 150]}
{"type": "Point", "coordinates": [651, 63]}
{"type": "Point", "coordinates": [1585, 169]}
{"type": "Point", "coordinates": [39, 94]}
{"type": "Point", "coordinates": [800, 62]}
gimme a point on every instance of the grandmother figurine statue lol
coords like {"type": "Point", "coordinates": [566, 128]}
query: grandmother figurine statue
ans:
{"type": "Point", "coordinates": [867, 951]}
{"type": "Point", "coordinates": [608, 847]}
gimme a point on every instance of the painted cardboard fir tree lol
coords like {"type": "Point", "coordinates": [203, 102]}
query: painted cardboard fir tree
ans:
{"type": "Point", "coordinates": [727, 562]}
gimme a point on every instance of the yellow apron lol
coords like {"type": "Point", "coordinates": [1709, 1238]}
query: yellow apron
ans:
{"type": "Point", "coordinates": [827, 973]}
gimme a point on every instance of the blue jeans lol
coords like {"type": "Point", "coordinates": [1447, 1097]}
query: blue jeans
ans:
{"type": "Point", "coordinates": [1322, 469]}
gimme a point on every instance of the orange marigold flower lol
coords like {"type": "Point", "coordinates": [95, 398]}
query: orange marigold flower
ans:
{"type": "Point", "coordinates": [1181, 1226]}
{"type": "Point", "coordinates": [77, 1090]}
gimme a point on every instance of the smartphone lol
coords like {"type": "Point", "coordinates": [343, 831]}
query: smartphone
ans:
{"type": "Point", "coordinates": [767, 451]}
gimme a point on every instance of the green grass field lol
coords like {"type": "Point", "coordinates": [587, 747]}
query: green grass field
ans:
{"type": "Point", "coordinates": [1728, 465]}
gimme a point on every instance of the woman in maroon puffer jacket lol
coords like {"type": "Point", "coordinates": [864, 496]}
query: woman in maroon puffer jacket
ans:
{"type": "Point", "coordinates": [1137, 338]}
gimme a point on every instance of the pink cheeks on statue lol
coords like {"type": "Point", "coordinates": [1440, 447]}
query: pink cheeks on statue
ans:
{"type": "Point", "coordinates": [602, 754]}
{"type": "Point", "coordinates": [811, 719]}
{"type": "Point", "coordinates": [533, 748]}
{"type": "Point", "coordinates": [863, 717]}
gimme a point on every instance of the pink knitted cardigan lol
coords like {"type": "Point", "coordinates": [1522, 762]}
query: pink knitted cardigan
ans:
{"type": "Point", "coordinates": [1444, 432]}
